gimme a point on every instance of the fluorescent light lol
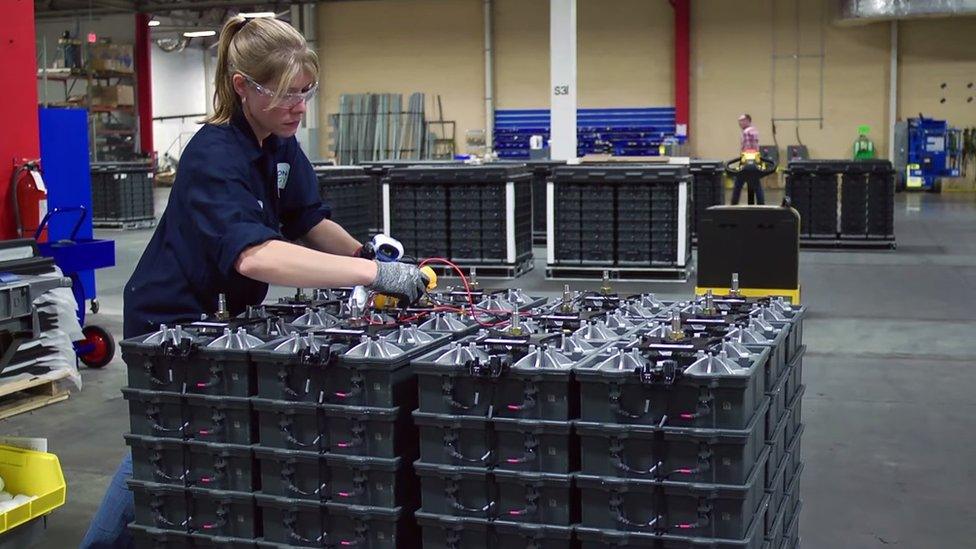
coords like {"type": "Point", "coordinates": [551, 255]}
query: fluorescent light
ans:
{"type": "Point", "coordinates": [256, 14]}
{"type": "Point", "coordinates": [200, 34]}
{"type": "Point", "coordinates": [154, 22]}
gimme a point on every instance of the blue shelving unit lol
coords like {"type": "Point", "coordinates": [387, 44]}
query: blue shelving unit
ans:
{"type": "Point", "coordinates": [619, 131]}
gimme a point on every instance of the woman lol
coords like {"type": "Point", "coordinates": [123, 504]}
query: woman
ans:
{"type": "Point", "coordinates": [243, 191]}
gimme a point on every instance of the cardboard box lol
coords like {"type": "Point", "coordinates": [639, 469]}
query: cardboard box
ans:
{"type": "Point", "coordinates": [110, 57]}
{"type": "Point", "coordinates": [119, 95]}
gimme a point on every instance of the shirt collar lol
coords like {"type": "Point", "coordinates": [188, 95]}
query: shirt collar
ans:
{"type": "Point", "coordinates": [249, 141]}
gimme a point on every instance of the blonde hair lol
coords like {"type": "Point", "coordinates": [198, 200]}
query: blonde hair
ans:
{"type": "Point", "coordinates": [265, 49]}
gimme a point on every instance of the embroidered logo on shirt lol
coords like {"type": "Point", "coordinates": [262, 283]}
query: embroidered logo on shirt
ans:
{"type": "Point", "coordinates": [283, 169]}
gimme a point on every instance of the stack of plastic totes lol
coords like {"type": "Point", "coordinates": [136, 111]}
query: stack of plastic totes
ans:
{"type": "Point", "coordinates": [689, 431]}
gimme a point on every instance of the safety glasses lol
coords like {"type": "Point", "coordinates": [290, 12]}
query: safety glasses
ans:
{"type": "Point", "coordinates": [287, 100]}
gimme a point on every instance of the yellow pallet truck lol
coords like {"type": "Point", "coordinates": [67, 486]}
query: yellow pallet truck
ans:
{"type": "Point", "coordinates": [750, 251]}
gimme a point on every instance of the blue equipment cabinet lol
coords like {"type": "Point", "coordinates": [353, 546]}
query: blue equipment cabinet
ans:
{"type": "Point", "coordinates": [67, 175]}
{"type": "Point", "coordinates": [934, 152]}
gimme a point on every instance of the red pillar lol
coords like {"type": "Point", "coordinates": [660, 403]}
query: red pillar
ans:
{"type": "Point", "coordinates": [144, 82]}
{"type": "Point", "coordinates": [18, 108]}
{"type": "Point", "coordinates": [682, 62]}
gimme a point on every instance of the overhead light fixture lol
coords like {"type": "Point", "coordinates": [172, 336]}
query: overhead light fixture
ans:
{"type": "Point", "coordinates": [256, 14]}
{"type": "Point", "coordinates": [200, 34]}
{"type": "Point", "coordinates": [154, 22]}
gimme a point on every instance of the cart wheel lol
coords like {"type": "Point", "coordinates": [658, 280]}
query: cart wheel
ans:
{"type": "Point", "coordinates": [103, 347]}
{"type": "Point", "coordinates": [95, 306]}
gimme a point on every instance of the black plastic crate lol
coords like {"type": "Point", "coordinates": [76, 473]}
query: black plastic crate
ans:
{"type": "Point", "coordinates": [332, 367]}
{"type": "Point", "coordinates": [703, 510]}
{"type": "Point", "coordinates": [219, 419]}
{"type": "Point", "coordinates": [300, 523]}
{"type": "Point", "coordinates": [454, 532]}
{"type": "Point", "coordinates": [158, 460]}
{"type": "Point", "coordinates": [718, 456]}
{"type": "Point", "coordinates": [367, 431]}
{"type": "Point", "coordinates": [533, 446]}
{"type": "Point", "coordinates": [156, 538]}
{"type": "Point", "coordinates": [456, 490]}
{"type": "Point", "coordinates": [349, 480]}
{"type": "Point", "coordinates": [455, 440]}
{"type": "Point", "coordinates": [155, 414]}
{"type": "Point", "coordinates": [289, 425]}
{"type": "Point", "coordinates": [535, 498]}
{"type": "Point", "coordinates": [215, 466]}
{"type": "Point", "coordinates": [159, 505]}
{"type": "Point", "coordinates": [222, 513]}
{"type": "Point", "coordinates": [776, 489]}
{"type": "Point", "coordinates": [671, 538]}
{"type": "Point", "coordinates": [776, 442]}
{"type": "Point", "coordinates": [122, 192]}
{"type": "Point", "coordinates": [612, 394]}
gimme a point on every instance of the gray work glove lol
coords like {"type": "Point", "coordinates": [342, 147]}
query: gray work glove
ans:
{"type": "Point", "coordinates": [400, 280]}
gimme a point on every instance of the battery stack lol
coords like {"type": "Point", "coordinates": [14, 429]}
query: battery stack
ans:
{"type": "Point", "coordinates": [843, 202]}
{"type": "Point", "coordinates": [497, 453]}
{"type": "Point", "coordinates": [473, 215]}
{"type": "Point", "coordinates": [475, 419]}
{"type": "Point", "coordinates": [706, 188]}
{"type": "Point", "coordinates": [122, 194]}
{"type": "Point", "coordinates": [619, 217]}
{"type": "Point", "coordinates": [351, 195]}
{"type": "Point", "coordinates": [290, 426]}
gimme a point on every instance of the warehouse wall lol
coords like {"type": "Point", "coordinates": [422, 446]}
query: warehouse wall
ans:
{"type": "Point", "coordinates": [430, 46]}
{"type": "Point", "coordinates": [178, 90]}
{"type": "Point", "coordinates": [625, 53]}
{"type": "Point", "coordinates": [935, 52]}
{"type": "Point", "coordinates": [732, 44]}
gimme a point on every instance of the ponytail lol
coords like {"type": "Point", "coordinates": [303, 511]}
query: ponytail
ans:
{"type": "Point", "coordinates": [265, 49]}
{"type": "Point", "coordinates": [225, 101]}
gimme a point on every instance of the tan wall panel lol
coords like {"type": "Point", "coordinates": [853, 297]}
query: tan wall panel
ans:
{"type": "Point", "coordinates": [626, 53]}
{"type": "Point", "coordinates": [933, 52]}
{"type": "Point", "coordinates": [388, 46]}
{"type": "Point", "coordinates": [521, 54]}
{"type": "Point", "coordinates": [732, 73]}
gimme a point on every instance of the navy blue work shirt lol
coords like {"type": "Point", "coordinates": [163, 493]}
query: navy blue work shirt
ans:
{"type": "Point", "coordinates": [230, 193]}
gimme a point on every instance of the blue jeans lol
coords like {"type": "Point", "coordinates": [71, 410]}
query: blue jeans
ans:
{"type": "Point", "coordinates": [108, 529]}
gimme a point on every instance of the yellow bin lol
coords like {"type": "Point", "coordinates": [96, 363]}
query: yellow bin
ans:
{"type": "Point", "coordinates": [34, 474]}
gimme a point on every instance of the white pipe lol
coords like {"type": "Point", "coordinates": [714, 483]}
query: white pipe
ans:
{"type": "Point", "coordinates": [489, 78]}
{"type": "Point", "coordinates": [893, 91]}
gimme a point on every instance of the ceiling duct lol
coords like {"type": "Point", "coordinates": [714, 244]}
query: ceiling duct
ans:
{"type": "Point", "coordinates": [868, 11]}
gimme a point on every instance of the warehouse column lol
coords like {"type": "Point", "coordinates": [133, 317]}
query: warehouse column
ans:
{"type": "Point", "coordinates": [144, 82]}
{"type": "Point", "coordinates": [18, 110]}
{"type": "Point", "coordinates": [682, 65]}
{"type": "Point", "coordinates": [562, 75]}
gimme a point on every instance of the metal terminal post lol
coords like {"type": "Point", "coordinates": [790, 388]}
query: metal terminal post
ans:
{"type": "Point", "coordinates": [677, 330]}
{"type": "Point", "coordinates": [300, 296]}
{"type": "Point", "coordinates": [222, 312]}
{"type": "Point", "coordinates": [567, 304]}
{"type": "Point", "coordinates": [515, 325]}
{"type": "Point", "coordinates": [734, 291]}
{"type": "Point", "coordinates": [606, 289]}
{"type": "Point", "coordinates": [473, 278]}
{"type": "Point", "coordinates": [709, 303]}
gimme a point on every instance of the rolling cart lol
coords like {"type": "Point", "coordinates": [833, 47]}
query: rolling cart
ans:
{"type": "Point", "coordinates": [73, 256]}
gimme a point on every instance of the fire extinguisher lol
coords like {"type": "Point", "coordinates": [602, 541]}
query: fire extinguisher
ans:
{"type": "Point", "coordinates": [29, 199]}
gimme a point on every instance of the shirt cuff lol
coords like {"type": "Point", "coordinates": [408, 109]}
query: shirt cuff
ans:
{"type": "Point", "coordinates": [239, 237]}
{"type": "Point", "coordinates": [306, 221]}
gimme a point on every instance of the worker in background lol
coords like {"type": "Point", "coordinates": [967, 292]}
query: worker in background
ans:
{"type": "Point", "coordinates": [244, 192]}
{"type": "Point", "coordinates": [748, 144]}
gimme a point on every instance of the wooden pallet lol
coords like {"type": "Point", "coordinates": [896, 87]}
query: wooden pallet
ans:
{"type": "Point", "coordinates": [24, 395]}
{"type": "Point", "coordinates": [124, 225]}
{"type": "Point", "coordinates": [618, 273]}
{"type": "Point", "coordinates": [848, 243]}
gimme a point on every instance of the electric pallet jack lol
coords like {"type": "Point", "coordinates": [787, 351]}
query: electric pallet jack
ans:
{"type": "Point", "coordinates": [748, 170]}
{"type": "Point", "coordinates": [749, 251]}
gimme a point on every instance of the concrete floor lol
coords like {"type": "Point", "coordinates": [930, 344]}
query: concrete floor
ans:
{"type": "Point", "coordinates": [889, 407]}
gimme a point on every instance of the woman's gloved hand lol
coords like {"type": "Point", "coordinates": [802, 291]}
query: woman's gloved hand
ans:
{"type": "Point", "coordinates": [400, 280]}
